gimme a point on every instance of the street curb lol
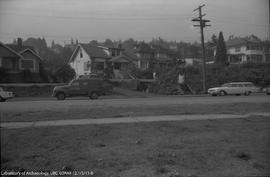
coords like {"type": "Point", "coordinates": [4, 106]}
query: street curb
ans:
{"type": "Point", "coordinates": [18, 125]}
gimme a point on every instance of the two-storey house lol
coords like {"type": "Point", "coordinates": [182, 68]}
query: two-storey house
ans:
{"type": "Point", "coordinates": [249, 49]}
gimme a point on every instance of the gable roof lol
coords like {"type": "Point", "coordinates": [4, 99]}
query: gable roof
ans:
{"type": "Point", "coordinates": [92, 50]}
{"type": "Point", "coordinates": [238, 41]}
{"type": "Point", "coordinates": [120, 59]}
{"type": "Point", "coordinates": [130, 54]}
{"type": "Point", "coordinates": [31, 51]}
{"type": "Point", "coordinates": [11, 50]}
{"type": "Point", "coordinates": [18, 49]}
{"type": "Point", "coordinates": [144, 48]}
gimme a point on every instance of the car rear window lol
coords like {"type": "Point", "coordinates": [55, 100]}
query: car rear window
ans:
{"type": "Point", "coordinates": [226, 85]}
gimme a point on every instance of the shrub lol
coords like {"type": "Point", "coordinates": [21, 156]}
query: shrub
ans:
{"type": "Point", "coordinates": [4, 76]}
{"type": "Point", "coordinates": [216, 74]}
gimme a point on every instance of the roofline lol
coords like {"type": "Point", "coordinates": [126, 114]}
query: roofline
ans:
{"type": "Point", "coordinates": [34, 53]}
{"type": "Point", "coordinates": [78, 45]}
{"type": "Point", "coordinates": [10, 49]}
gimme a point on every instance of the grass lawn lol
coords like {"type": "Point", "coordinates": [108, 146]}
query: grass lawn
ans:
{"type": "Point", "coordinates": [235, 147]}
{"type": "Point", "coordinates": [78, 112]}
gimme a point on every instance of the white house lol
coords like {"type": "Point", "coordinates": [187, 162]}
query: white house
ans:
{"type": "Point", "coordinates": [87, 59]}
{"type": "Point", "coordinates": [248, 49]}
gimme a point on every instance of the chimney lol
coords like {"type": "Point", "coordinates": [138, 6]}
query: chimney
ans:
{"type": "Point", "coordinates": [19, 42]}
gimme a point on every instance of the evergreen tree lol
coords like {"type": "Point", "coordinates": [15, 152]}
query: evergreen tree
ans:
{"type": "Point", "coordinates": [221, 52]}
{"type": "Point", "coordinates": [53, 44]}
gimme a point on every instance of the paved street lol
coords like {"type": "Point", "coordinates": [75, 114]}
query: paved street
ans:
{"type": "Point", "coordinates": [54, 105]}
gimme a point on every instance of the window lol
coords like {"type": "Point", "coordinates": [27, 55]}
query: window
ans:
{"type": "Point", "coordinates": [86, 66]}
{"type": "Point", "coordinates": [85, 83]}
{"type": "Point", "coordinates": [117, 66]}
{"type": "Point", "coordinates": [237, 49]}
{"type": "Point", "coordinates": [113, 53]}
{"type": "Point", "coordinates": [256, 58]}
{"type": "Point", "coordinates": [255, 47]}
{"type": "Point", "coordinates": [75, 83]}
{"type": "Point", "coordinates": [7, 63]}
{"type": "Point", "coordinates": [100, 66]}
{"type": "Point", "coordinates": [27, 64]}
{"type": "Point", "coordinates": [226, 85]}
{"type": "Point", "coordinates": [81, 54]}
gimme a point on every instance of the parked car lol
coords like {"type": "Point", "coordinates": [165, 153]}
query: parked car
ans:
{"type": "Point", "coordinates": [4, 95]}
{"type": "Point", "coordinates": [267, 90]}
{"type": "Point", "coordinates": [93, 88]}
{"type": "Point", "coordinates": [234, 88]}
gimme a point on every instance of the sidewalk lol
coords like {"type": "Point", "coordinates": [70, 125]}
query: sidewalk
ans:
{"type": "Point", "coordinates": [15, 125]}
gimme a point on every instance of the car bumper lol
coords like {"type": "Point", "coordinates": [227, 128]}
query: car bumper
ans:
{"type": "Point", "coordinates": [212, 92]}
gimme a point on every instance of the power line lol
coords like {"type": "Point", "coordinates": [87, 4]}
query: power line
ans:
{"type": "Point", "coordinates": [163, 17]}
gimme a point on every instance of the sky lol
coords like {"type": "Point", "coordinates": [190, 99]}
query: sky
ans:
{"type": "Point", "coordinates": [86, 20]}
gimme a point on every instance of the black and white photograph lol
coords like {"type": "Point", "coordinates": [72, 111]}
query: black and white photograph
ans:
{"type": "Point", "coordinates": [135, 88]}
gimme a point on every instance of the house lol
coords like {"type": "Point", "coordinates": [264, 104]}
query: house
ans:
{"type": "Point", "coordinates": [145, 55]}
{"type": "Point", "coordinates": [17, 57]}
{"type": "Point", "coordinates": [87, 59]}
{"type": "Point", "coordinates": [192, 61]}
{"type": "Point", "coordinates": [120, 65]}
{"type": "Point", "coordinates": [94, 59]}
{"type": "Point", "coordinates": [9, 59]}
{"type": "Point", "coordinates": [163, 56]}
{"type": "Point", "coordinates": [248, 49]}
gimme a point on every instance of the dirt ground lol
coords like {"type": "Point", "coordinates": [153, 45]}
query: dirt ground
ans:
{"type": "Point", "coordinates": [235, 147]}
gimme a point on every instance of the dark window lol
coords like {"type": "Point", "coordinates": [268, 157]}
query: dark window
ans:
{"type": "Point", "coordinates": [7, 63]}
{"type": "Point", "coordinates": [237, 49]}
{"type": "Point", "coordinates": [117, 66]}
{"type": "Point", "coordinates": [27, 64]}
{"type": "Point", "coordinates": [113, 53]}
{"type": "Point", "coordinates": [100, 66]}
{"type": "Point", "coordinates": [81, 54]}
{"type": "Point", "coordinates": [75, 83]}
{"type": "Point", "coordinates": [255, 47]}
{"type": "Point", "coordinates": [85, 83]}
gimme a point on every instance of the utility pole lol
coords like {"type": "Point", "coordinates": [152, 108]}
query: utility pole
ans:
{"type": "Point", "coordinates": [202, 25]}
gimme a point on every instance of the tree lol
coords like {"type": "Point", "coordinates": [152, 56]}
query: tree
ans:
{"type": "Point", "coordinates": [214, 40]}
{"type": "Point", "coordinates": [65, 73]}
{"type": "Point", "coordinates": [108, 43]}
{"type": "Point", "coordinates": [221, 52]}
{"type": "Point", "coordinates": [93, 42]}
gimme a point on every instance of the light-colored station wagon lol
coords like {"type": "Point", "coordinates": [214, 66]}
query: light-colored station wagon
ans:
{"type": "Point", "coordinates": [234, 88]}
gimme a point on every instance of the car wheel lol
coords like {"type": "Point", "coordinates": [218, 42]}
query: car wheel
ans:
{"type": "Point", "coordinates": [60, 96]}
{"type": "Point", "coordinates": [247, 93]}
{"type": "Point", "coordinates": [94, 96]}
{"type": "Point", "coordinates": [2, 99]}
{"type": "Point", "coordinates": [222, 93]}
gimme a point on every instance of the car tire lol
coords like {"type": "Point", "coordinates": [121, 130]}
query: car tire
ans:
{"type": "Point", "coordinates": [222, 93]}
{"type": "Point", "coordinates": [61, 96]}
{"type": "Point", "coordinates": [2, 99]}
{"type": "Point", "coordinates": [94, 96]}
{"type": "Point", "coordinates": [247, 93]}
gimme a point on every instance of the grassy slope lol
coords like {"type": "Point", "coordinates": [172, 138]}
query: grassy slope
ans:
{"type": "Point", "coordinates": [234, 147]}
